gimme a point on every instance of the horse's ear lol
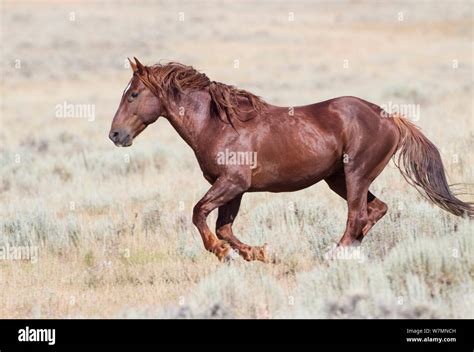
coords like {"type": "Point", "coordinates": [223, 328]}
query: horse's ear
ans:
{"type": "Point", "coordinates": [140, 67]}
{"type": "Point", "coordinates": [132, 64]}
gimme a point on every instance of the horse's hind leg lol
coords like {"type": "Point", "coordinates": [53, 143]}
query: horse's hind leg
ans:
{"type": "Point", "coordinates": [225, 219]}
{"type": "Point", "coordinates": [357, 216]}
{"type": "Point", "coordinates": [376, 209]}
{"type": "Point", "coordinates": [363, 166]}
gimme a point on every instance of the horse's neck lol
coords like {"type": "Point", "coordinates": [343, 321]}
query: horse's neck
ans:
{"type": "Point", "coordinates": [190, 115]}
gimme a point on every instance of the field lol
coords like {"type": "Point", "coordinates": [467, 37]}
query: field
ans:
{"type": "Point", "coordinates": [106, 232]}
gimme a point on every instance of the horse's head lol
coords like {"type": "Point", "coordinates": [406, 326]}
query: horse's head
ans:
{"type": "Point", "coordinates": [138, 108]}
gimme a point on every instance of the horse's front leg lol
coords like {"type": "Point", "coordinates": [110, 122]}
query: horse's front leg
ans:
{"type": "Point", "coordinates": [225, 219]}
{"type": "Point", "coordinates": [222, 191]}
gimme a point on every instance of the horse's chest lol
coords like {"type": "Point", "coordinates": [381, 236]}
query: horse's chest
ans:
{"type": "Point", "coordinates": [208, 167]}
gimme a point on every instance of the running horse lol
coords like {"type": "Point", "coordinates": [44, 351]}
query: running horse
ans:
{"type": "Point", "coordinates": [344, 141]}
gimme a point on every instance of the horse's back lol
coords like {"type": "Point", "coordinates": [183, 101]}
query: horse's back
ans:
{"type": "Point", "coordinates": [352, 117]}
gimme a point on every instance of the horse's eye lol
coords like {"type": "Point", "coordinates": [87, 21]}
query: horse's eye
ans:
{"type": "Point", "coordinates": [134, 94]}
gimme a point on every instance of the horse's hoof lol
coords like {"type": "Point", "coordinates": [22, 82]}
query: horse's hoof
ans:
{"type": "Point", "coordinates": [263, 253]}
{"type": "Point", "coordinates": [231, 255]}
{"type": "Point", "coordinates": [269, 253]}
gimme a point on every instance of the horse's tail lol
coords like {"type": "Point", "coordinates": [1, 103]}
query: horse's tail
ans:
{"type": "Point", "coordinates": [420, 163]}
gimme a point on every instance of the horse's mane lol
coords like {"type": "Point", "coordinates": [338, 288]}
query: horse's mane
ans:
{"type": "Point", "coordinates": [167, 80]}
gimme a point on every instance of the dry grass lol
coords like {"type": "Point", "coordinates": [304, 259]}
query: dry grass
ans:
{"type": "Point", "coordinates": [113, 226]}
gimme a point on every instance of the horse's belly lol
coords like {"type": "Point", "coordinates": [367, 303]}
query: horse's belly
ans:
{"type": "Point", "coordinates": [287, 175]}
{"type": "Point", "coordinates": [288, 186]}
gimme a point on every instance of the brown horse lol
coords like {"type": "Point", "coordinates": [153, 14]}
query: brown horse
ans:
{"type": "Point", "coordinates": [344, 141]}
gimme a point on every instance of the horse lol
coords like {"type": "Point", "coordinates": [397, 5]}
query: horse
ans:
{"type": "Point", "coordinates": [345, 141]}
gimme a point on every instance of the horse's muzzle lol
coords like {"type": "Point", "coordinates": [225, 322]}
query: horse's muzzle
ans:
{"type": "Point", "coordinates": [120, 138]}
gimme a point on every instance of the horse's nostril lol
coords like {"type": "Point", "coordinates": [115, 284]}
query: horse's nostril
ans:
{"type": "Point", "coordinates": [113, 136]}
